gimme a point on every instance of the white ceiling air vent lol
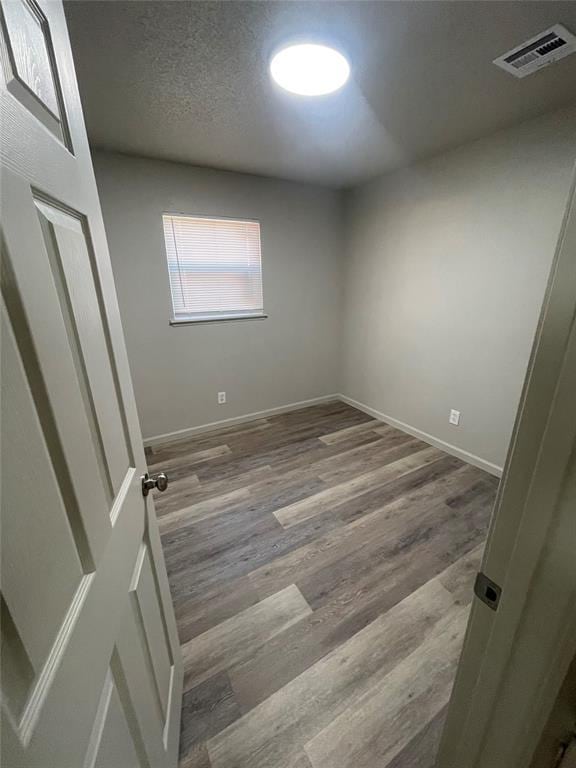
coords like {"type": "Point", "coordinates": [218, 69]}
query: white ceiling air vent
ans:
{"type": "Point", "coordinates": [540, 51]}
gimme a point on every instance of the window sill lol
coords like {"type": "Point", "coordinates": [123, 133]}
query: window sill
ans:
{"type": "Point", "coordinates": [217, 319]}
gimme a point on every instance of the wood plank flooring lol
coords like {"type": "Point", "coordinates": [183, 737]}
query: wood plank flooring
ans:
{"type": "Point", "coordinates": [321, 566]}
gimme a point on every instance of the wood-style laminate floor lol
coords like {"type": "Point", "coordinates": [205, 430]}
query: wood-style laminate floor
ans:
{"type": "Point", "coordinates": [321, 566]}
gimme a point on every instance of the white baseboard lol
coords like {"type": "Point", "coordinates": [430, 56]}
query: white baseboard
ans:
{"type": "Point", "coordinates": [469, 458]}
{"type": "Point", "coordinates": [181, 434]}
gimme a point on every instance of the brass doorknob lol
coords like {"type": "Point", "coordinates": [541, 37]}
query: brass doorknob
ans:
{"type": "Point", "coordinates": [159, 481]}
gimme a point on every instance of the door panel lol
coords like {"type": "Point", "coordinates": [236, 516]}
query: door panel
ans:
{"type": "Point", "coordinates": [30, 52]}
{"type": "Point", "coordinates": [141, 684]}
{"type": "Point", "coordinates": [29, 63]}
{"type": "Point", "coordinates": [150, 621]}
{"type": "Point", "coordinates": [35, 307]}
{"type": "Point", "coordinates": [112, 743]}
{"type": "Point", "coordinates": [33, 512]}
{"type": "Point", "coordinates": [80, 301]}
{"type": "Point", "coordinates": [91, 667]}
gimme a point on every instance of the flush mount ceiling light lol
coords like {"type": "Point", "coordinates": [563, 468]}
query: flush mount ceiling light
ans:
{"type": "Point", "coordinates": [309, 69]}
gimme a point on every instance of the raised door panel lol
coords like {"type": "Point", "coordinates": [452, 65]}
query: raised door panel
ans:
{"type": "Point", "coordinates": [69, 252]}
{"type": "Point", "coordinates": [28, 63]}
{"type": "Point", "coordinates": [41, 567]}
{"type": "Point", "coordinates": [116, 749]}
{"type": "Point", "coordinates": [144, 654]}
{"type": "Point", "coordinates": [146, 599]}
{"type": "Point", "coordinates": [113, 744]}
{"type": "Point", "coordinates": [30, 53]}
{"type": "Point", "coordinates": [36, 302]}
{"type": "Point", "coordinates": [61, 703]}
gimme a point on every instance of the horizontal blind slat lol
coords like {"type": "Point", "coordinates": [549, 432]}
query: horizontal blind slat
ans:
{"type": "Point", "coordinates": [214, 265]}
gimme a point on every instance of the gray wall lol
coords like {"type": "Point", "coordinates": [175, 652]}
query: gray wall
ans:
{"type": "Point", "coordinates": [444, 273]}
{"type": "Point", "coordinates": [446, 268]}
{"type": "Point", "coordinates": [291, 356]}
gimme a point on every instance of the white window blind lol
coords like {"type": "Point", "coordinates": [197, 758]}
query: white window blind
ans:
{"type": "Point", "coordinates": [215, 267]}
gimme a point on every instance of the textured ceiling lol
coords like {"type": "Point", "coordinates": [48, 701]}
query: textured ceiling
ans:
{"type": "Point", "coordinates": [188, 81]}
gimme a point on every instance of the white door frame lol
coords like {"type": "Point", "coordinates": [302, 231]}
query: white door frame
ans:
{"type": "Point", "coordinates": [515, 659]}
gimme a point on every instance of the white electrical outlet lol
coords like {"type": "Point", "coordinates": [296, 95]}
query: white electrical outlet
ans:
{"type": "Point", "coordinates": [221, 398]}
{"type": "Point", "coordinates": [454, 417]}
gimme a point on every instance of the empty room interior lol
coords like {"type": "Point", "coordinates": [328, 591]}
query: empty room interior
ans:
{"type": "Point", "coordinates": [331, 227]}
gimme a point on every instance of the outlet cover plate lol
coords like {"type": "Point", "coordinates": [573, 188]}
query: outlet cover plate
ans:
{"type": "Point", "coordinates": [454, 417]}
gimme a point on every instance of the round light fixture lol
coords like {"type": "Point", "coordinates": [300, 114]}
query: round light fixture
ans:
{"type": "Point", "coordinates": [309, 69]}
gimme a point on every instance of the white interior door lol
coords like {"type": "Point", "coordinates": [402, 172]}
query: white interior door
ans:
{"type": "Point", "coordinates": [91, 668]}
{"type": "Point", "coordinates": [516, 657]}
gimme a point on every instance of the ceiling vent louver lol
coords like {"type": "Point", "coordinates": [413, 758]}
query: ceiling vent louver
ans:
{"type": "Point", "coordinates": [540, 51]}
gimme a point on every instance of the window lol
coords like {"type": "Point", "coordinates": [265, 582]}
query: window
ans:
{"type": "Point", "coordinates": [215, 268]}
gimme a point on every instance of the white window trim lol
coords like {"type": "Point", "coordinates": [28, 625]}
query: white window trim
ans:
{"type": "Point", "coordinates": [216, 317]}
